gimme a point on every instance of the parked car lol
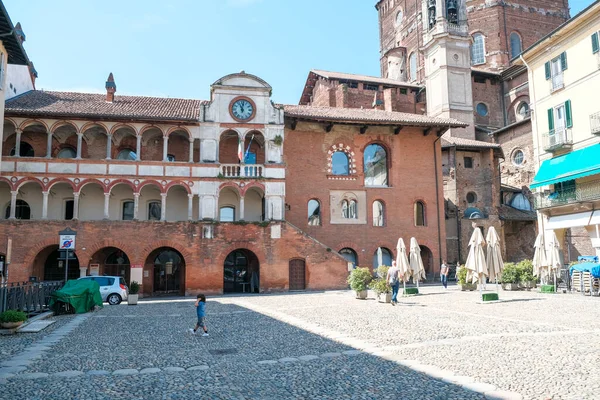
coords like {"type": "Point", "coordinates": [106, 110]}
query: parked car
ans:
{"type": "Point", "coordinates": [112, 288]}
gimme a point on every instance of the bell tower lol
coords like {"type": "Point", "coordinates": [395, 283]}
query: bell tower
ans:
{"type": "Point", "coordinates": [446, 50]}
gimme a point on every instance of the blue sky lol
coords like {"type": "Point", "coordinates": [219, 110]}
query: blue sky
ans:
{"type": "Point", "coordinates": [178, 48]}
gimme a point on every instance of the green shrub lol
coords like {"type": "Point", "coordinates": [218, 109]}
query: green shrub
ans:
{"type": "Point", "coordinates": [13, 316]}
{"type": "Point", "coordinates": [382, 271]}
{"type": "Point", "coordinates": [461, 275]}
{"type": "Point", "coordinates": [359, 279]}
{"type": "Point", "coordinates": [134, 287]}
{"type": "Point", "coordinates": [380, 286]}
{"type": "Point", "coordinates": [525, 269]}
{"type": "Point", "coordinates": [511, 273]}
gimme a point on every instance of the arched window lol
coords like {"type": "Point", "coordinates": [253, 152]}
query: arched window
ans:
{"type": "Point", "coordinates": [67, 152]}
{"type": "Point", "coordinates": [128, 207]}
{"type": "Point", "coordinates": [375, 166]}
{"type": "Point", "coordinates": [25, 151]}
{"type": "Point", "coordinates": [349, 255]}
{"type": "Point", "coordinates": [126, 154]}
{"type": "Point", "coordinates": [314, 212]}
{"type": "Point", "coordinates": [399, 18]}
{"type": "Point", "coordinates": [227, 214]}
{"type": "Point", "coordinates": [386, 258]}
{"type": "Point", "coordinates": [478, 49]}
{"type": "Point", "coordinates": [154, 211]}
{"type": "Point", "coordinates": [170, 158]}
{"type": "Point", "coordinates": [339, 163]}
{"type": "Point", "coordinates": [345, 209]}
{"type": "Point", "coordinates": [353, 209]}
{"type": "Point", "coordinates": [413, 66]}
{"type": "Point", "coordinates": [22, 210]}
{"type": "Point", "coordinates": [419, 214]}
{"type": "Point", "coordinates": [520, 202]}
{"type": "Point", "coordinates": [515, 45]}
{"type": "Point", "coordinates": [378, 213]}
{"type": "Point", "coordinates": [523, 110]}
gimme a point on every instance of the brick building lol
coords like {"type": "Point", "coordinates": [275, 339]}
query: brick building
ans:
{"type": "Point", "coordinates": [188, 195]}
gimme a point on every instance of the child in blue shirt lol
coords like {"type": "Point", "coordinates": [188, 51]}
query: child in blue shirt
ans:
{"type": "Point", "coordinates": [200, 311]}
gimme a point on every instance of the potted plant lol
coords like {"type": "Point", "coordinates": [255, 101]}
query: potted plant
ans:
{"type": "Point", "coordinates": [526, 278]}
{"type": "Point", "coordinates": [132, 297]}
{"type": "Point", "coordinates": [510, 277]}
{"type": "Point", "coordinates": [359, 280]}
{"type": "Point", "coordinates": [461, 278]}
{"type": "Point", "coordinates": [380, 285]}
{"type": "Point", "coordinates": [11, 319]}
{"type": "Point", "coordinates": [278, 140]}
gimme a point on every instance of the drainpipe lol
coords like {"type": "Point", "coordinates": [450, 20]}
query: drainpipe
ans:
{"type": "Point", "coordinates": [437, 192]}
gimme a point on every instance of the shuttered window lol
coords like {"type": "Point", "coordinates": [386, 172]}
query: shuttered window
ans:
{"type": "Point", "coordinates": [568, 114]}
{"type": "Point", "coordinates": [595, 44]}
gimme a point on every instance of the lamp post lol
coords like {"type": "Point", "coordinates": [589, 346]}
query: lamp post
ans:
{"type": "Point", "coordinates": [66, 243]}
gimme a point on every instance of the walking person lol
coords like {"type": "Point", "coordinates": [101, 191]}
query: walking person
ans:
{"type": "Point", "coordinates": [201, 313]}
{"type": "Point", "coordinates": [444, 274]}
{"type": "Point", "coordinates": [393, 281]}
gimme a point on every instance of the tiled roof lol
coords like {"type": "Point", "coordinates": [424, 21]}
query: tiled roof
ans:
{"type": "Point", "coordinates": [451, 141]}
{"type": "Point", "coordinates": [508, 213]}
{"type": "Point", "coordinates": [88, 105]}
{"type": "Point", "coordinates": [362, 78]}
{"type": "Point", "coordinates": [366, 116]}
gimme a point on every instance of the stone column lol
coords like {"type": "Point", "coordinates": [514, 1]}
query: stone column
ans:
{"type": "Point", "coordinates": [44, 205]}
{"type": "Point", "coordinates": [241, 216]}
{"type": "Point", "coordinates": [79, 143]}
{"type": "Point", "coordinates": [163, 206]}
{"type": "Point", "coordinates": [190, 207]}
{"type": "Point", "coordinates": [13, 203]}
{"type": "Point", "coordinates": [138, 148]}
{"type": "Point", "coordinates": [18, 143]}
{"type": "Point", "coordinates": [165, 148]}
{"type": "Point", "coordinates": [191, 158]}
{"type": "Point", "coordinates": [108, 146]}
{"type": "Point", "coordinates": [76, 205]}
{"type": "Point", "coordinates": [136, 206]}
{"type": "Point", "coordinates": [106, 203]}
{"type": "Point", "coordinates": [49, 146]}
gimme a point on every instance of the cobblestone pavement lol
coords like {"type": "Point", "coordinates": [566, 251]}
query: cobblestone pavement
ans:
{"type": "Point", "coordinates": [439, 345]}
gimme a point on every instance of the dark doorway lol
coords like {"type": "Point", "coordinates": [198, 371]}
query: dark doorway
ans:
{"type": "Point", "coordinates": [297, 274]}
{"type": "Point", "coordinates": [241, 272]}
{"type": "Point", "coordinates": [55, 265]}
{"type": "Point", "coordinates": [168, 272]}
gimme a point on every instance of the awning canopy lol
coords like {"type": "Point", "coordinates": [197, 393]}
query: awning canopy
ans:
{"type": "Point", "coordinates": [576, 164]}
{"type": "Point", "coordinates": [569, 220]}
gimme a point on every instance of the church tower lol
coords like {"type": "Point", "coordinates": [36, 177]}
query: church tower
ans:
{"type": "Point", "coordinates": [447, 63]}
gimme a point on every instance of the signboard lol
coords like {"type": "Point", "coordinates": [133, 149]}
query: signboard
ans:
{"type": "Point", "coordinates": [64, 254]}
{"type": "Point", "coordinates": [66, 242]}
{"type": "Point", "coordinates": [94, 269]}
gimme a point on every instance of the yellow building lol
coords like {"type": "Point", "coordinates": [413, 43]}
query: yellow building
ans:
{"type": "Point", "coordinates": [564, 76]}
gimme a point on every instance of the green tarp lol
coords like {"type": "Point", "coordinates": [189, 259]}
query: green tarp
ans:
{"type": "Point", "coordinates": [82, 295]}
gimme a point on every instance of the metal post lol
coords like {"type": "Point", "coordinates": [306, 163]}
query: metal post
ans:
{"type": "Point", "coordinates": [5, 274]}
{"type": "Point", "coordinates": [66, 265]}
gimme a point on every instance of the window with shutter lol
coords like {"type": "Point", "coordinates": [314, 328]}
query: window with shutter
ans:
{"type": "Point", "coordinates": [563, 60]}
{"type": "Point", "coordinates": [595, 44]}
{"type": "Point", "coordinates": [568, 114]}
{"type": "Point", "coordinates": [548, 71]}
{"type": "Point", "coordinates": [551, 120]}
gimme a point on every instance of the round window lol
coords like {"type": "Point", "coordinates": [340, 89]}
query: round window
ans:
{"type": "Point", "coordinates": [471, 197]}
{"type": "Point", "coordinates": [518, 157]}
{"type": "Point", "coordinates": [523, 110]}
{"type": "Point", "coordinates": [482, 109]}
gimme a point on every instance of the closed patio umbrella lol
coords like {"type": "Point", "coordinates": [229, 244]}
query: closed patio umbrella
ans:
{"type": "Point", "coordinates": [476, 264]}
{"type": "Point", "coordinates": [416, 263]}
{"type": "Point", "coordinates": [554, 261]}
{"type": "Point", "coordinates": [402, 263]}
{"type": "Point", "coordinates": [540, 261]}
{"type": "Point", "coordinates": [379, 257]}
{"type": "Point", "coordinates": [494, 255]}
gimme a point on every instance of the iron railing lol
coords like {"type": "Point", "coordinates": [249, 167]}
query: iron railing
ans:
{"type": "Point", "coordinates": [558, 82]}
{"type": "Point", "coordinates": [581, 192]}
{"type": "Point", "coordinates": [29, 297]}
{"type": "Point", "coordinates": [241, 170]}
{"type": "Point", "coordinates": [595, 122]}
{"type": "Point", "coordinates": [557, 139]}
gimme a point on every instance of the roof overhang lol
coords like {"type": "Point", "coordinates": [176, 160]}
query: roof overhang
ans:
{"type": "Point", "coordinates": [8, 36]}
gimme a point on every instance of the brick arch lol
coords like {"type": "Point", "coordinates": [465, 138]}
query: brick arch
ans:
{"type": "Point", "coordinates": [59, 180]}
{"type": "Point", "coordinates": [252, 185]}
{"type": "Point", "coordinates": [349, 153]}
{"type": "Point", "coordinates": [90, 125]}
{"type": "Point", "coordinates": [37, 248]}
{"type": "Point", "coordinates": [30, 122]}
{"type": "Point", "coordinates": [58, 124]}
{"type": "Point", "coordinates": [228, 130]}
{"type": "Point", "coordinates": [237, 189]}
{"type": "Point", "coordinates": [187, 255]}
{"type": "Point", "coordinates": [10, 184]}
{"type": "Point", "coordinates": [178, 183]}
{"type": "Point", "coordinates": [350, 245]}
{"type": "Point", "coordinates": [148, 127]}
{"type": "Point", "coordinates": [101, 244]}
{"type": "Point", "coordinates": [12, 121]}
{"type": "Point", "coordinates": [121, 181]}
{"type": "Point", "coordinates": [88, 181]}
{"type": "Point", "coordinates": [258, 252]}
{"type": "Point", "coordinates": [120, 126]}
{"type": "Point", "coordinates": [179, 128]}
{"type": "Point", "coordinates": [151, 182]}
{"type": "Point", "coordinates": [23, 181]}
{"type": "Point", "coordinates": [392, 249]}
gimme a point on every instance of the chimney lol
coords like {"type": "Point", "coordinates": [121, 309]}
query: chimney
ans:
{"type": "Point", "coordinates": [111, 88]}
{"type": "Point", "coordinates": [377, 104]}
{"type": "Point", "coordinates": [19, 32]}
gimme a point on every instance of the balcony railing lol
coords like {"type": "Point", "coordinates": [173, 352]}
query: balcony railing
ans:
{"type": "Point", "coordinates": [588, 191]}
{"type": "Point", "coordinates": [557, 139]}
{"type": "Point", "coordinates": [595, 122]}
{"type": "Point", "coordinates": [557, 82]}
{"type": "Point", "coordinates": [241, 170]}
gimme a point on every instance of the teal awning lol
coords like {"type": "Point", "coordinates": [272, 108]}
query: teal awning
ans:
{"type": "Point", "coordinates": [576, 164]}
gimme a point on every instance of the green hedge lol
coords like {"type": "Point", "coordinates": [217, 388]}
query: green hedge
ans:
{"type": "Point", "coordinates": [518, 273]}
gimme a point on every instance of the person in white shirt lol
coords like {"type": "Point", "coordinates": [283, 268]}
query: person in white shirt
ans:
{"type": "Point", "coordinates": [394, 282]}
{"type": "Point", "coordinates": [444, 274]}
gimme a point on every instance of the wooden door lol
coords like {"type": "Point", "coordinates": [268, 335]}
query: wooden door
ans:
{"type": "Point", "coordinates": [297, 275]}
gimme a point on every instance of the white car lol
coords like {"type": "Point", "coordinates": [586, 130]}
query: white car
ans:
{"type": "Point", "coordinates": [112, 288]}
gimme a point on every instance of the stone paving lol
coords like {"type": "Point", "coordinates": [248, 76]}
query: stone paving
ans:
{"type": "Point", "coordinates": [439, 345]}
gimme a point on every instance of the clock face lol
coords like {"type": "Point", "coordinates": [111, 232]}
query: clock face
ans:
{"type": "Point", "coordinates": [242, 109]}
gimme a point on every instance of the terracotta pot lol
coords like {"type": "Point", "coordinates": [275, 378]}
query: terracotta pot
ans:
{"type": "Point", "coordinates": [11, 325]}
